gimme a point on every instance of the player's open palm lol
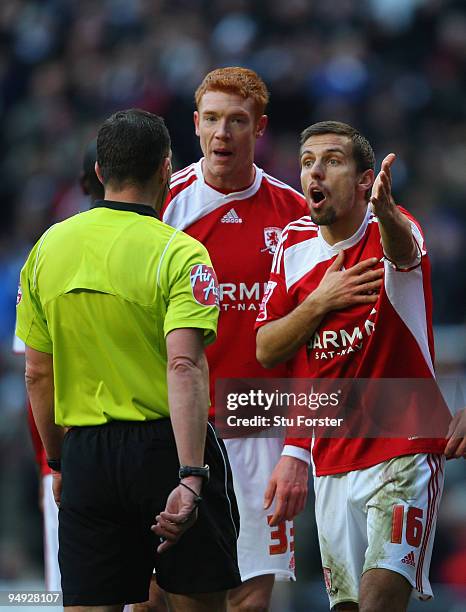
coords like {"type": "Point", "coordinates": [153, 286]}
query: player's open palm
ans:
{"type": "Point", "coordinates": [179, 515]}
{"type": "Point", "coordinates": [381, 196]}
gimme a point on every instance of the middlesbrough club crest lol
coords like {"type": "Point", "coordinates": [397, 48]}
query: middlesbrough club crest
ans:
{"type": "Point", "coordinates": [271, 238]}
{"type": "Point", "coordinates": [204, 285]}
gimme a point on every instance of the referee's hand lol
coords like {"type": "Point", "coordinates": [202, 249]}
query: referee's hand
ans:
{"type": "Point", "coordinates": [179, 515]}
{"type": "Point", "coordinates": [56, 487]}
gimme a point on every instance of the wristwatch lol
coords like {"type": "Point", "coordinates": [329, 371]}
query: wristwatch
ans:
{"type": "Point", "coordinates": [188, 470]}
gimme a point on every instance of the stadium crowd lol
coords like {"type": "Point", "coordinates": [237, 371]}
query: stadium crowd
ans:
{"type": "Point", "coordinates": [393, 68]}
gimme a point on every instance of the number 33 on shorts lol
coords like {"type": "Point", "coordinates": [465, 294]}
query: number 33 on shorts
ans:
{"type": "Point", "coordinates": [282, 538]}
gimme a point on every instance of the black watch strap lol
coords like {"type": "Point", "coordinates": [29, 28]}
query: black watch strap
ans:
{"type": "Point", "coordinates": [54, 464]}
{"type": "Point", "coordinates": [189, 470]}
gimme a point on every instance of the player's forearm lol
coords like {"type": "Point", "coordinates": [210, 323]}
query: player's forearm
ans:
{"type": "Point", "coordinates": [398, 242]}
{"type": "Point", "coordinates": [188, 397]}
{"type": "Point", "coordinates": [279, 340]}
{"type": "Point", "coordinates": [40, 390]}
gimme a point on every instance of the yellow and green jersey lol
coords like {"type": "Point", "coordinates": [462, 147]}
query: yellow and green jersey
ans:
{"type": "Point", "coordinates": [100, 291]}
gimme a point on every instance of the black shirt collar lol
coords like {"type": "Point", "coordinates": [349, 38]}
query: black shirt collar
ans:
{"type": "Point", "coordinates": [140, 209]}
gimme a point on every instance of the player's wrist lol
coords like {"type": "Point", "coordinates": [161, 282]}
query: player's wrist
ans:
{"type": "Point", "coordinates": [317, 304]}
{"type": "Point", "coordinates": [386, 213]}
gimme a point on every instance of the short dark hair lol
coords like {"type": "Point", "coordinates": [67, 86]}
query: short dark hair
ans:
{"type": "Point", "coordinates": [131, 145]}
{"type": "Point", "coordinates": [363, 153]}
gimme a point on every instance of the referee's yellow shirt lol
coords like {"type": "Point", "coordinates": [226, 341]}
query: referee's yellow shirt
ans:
{"type": "Point", "coordinates": [100, 291]}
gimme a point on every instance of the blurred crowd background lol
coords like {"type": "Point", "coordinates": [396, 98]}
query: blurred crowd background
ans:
{"type": "Point", "coordinates": [396, 69]}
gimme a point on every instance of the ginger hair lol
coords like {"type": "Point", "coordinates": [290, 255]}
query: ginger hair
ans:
{"type": "Point", "coordinates": [234, 79]}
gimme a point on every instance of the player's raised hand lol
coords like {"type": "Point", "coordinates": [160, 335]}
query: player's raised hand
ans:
{"type": "Point", "coordinates": [456, 445]}
{"type": "Point", "coordinates": [381, 196]}
{"type": "Point", "coordinates": [288, 486]}
{"type": "Point", "coordinates": [179, 515]}
{"type": "Point", "coordinates": [340, 289]}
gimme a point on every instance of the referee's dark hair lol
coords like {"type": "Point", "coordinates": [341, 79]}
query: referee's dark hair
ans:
{"type": "Point", "coordinates": [131, 146]}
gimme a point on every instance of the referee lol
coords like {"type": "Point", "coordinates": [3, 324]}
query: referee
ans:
{"type": "Point", "coordinates": [115, 308]}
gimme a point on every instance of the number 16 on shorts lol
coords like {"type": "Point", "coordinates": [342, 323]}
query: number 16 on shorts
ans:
{"type": "Point", "coordinates": [414, 526]}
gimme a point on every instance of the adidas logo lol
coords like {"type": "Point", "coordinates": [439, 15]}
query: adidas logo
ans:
{"type": "Point", "coordinates": [409, 559]}
{"type": "Point", "coordinates": [231, 217]}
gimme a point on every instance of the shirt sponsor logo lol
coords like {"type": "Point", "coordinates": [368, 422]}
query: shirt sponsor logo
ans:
{"type": "Point", "coordinates": [19, 295]}
{"type": "Point", "coordinates": [204, 285]}
{"type": "Point", "coordinates": [329, 343]}
{"type": "Point", "coordinates": [271, 238]}
{"type": "Point", "coordinates": [240, 296]}
{"type": "Point", "coordinates": [231, 217]}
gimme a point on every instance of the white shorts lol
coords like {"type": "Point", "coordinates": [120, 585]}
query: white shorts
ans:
{"type": "Point", "coordinates": [261, 549]}
{"type": "Point", "coordinates": [380, 517]}
{"type": "Point", "coordinates": [50, 517]}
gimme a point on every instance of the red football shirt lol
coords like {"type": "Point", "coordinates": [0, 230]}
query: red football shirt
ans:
{"type": "Point", "coordinates": [392, 338]}
{"type": "Point", "coordinates": [241, 231]}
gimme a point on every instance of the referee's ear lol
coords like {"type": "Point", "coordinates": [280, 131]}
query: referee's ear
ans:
{"type": "Point", "coordinates": [167, 169]}
{"type": "Point", "coordinates": [98, 172]}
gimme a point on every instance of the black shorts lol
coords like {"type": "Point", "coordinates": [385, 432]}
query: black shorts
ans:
{"type": "Point", "coordinates": [116, 479]}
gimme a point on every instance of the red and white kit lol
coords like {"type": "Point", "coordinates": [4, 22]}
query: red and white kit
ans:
{"type": "Point", "coordinates": [49, 507]}
{"type": "Point", "coordinates": [392, 338]}
{"type": "Point", "coordinates": [241, 231]}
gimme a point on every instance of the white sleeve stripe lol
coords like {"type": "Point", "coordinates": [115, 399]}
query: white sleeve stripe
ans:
{"type": "Point", "coordinates": [417, 236]}
{"type": "Point", "coordinates": [163, 255]}
{"type": "Point", "coordinates": [179, 173]}
{"type": "Point", "coordinates": [277, 258]}
{"type": "Point", "coordinates": [302, 228]}
{"type": "Point", "coordinates": [274, 261]}
{"type": "Point", "coordinates": [303, 221]}
{"type": "Point", "coordinates": [306, 222]}
{"type": "Point", "coordinates": [182, 179]}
